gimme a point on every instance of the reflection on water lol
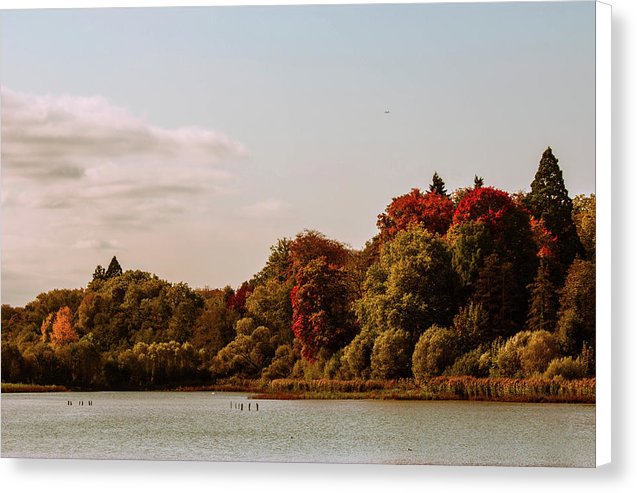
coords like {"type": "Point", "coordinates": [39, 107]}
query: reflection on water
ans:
{"type": "Point", "coordinates": [205, 426]}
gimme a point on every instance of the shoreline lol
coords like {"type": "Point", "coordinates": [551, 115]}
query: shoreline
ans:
{"type": "Point", "coordinates": [437, 388]}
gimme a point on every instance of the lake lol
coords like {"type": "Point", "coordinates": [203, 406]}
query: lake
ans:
{"type": "Point", "coordinates": [213, 427]}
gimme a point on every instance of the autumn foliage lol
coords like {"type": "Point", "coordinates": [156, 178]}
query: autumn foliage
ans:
{"type": "Point", "coordinates": [63, 332]}
{"type": "Point", "coordinates": [449, 291]}
{"type": "Point", "coordinates": [430, 210]}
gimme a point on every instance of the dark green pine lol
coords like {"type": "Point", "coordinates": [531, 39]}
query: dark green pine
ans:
{"type": "Point", "coordinates": [114, 269]}
{"type": "Point", "coordinates": [438, 185]}
{"type": "Point", "coordinates": [549, 201]}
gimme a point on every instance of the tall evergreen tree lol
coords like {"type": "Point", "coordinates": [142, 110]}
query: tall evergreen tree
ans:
{"type": "Point", "coordinates": [114, 269]}
{"type": "Point", "coordinates": [549, 201]}
{"type": "Point", "coordinates": [544, 300]}
{"type": "Point", "coordinates": [438, 185]}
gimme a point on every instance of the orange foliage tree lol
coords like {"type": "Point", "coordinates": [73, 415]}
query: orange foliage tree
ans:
{"type": "Point", "coordinates": [63, 332]}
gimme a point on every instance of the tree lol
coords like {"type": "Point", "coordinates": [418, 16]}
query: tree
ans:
{"type": "Point", "coordinates": [247, 355]}
{"type": "Point", "coordinates": [270, 305]}
{"type": "Point", "coordinates": [471, 325]}
{"type": "Point", "coordinates": [62, 332]}
{"type": "Point", "coordinates": [549, 201]}
{"type": "Point", "coordinates": [45, 328]}
{"type": "Point", "coordinates": [544, 300]}
{"type": "Point", "coordinates": [436, 349]}
{"type": "Point", "coordinates": [470, 242]}
{"type": "Point", "coordinates": [411, 287]}
{"type": "Point", "coordinates": [508, 224]}
{"type": "Point", "coordinates": [237, 300]}
{"type": "Point", "coordinates": [432, 211]}
{"type": "Point", "coordinates": [311, 245]}
{"type": "Point", "coordinates": [500, 293]}
{"type": "Point", "coordinates": [526, 354]}
{"type": "Point", "coordinates": [278, 265]}
{"type": "Point", "coordinates": [438, 185]}
{"type": "Point", "coordinates": [357, 355]}
{"type": "Point", "coordinates": [576, 325]}
{"type": "Point", "coordinates": [321, 315]}
{"type": "Point", "coordinates": [584, 219]}
{"type": "Point", "coordinates": [99, 274]}
{"type": "Point", "coordinates": [478, 181]}
{"type": "Point", "coordinates": [391, 355]}
{"type": "Point", "coordinates": [114, 269]}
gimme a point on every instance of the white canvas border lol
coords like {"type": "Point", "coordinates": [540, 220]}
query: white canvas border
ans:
{"type": "Point", "coordinates": [603, 231]}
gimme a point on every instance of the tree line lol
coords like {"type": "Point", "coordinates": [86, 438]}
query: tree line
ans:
{"type": "Point", "coordinates": [477, 282]}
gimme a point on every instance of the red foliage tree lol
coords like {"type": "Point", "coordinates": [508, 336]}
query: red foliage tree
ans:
{"type": "Point", "coordinates": [545, 241]}
{"type": "Point", "coordinates": [310, 245]}
{"type": "Point", "coordinates": [237, 300]}
{"type": "Point", "coordinates": [321, 318]}
{"type": "Point", "coordinates": [431, 210]}
{"type": "Point", "coordinates": [509, 226]}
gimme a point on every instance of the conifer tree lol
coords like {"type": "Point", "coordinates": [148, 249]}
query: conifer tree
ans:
{"type": "Point", "coordinates": [114, 269]}
{"type": "Point", "coordinates": [544, 300]}
{"type": "Point", "coordinates": [438, 185]}
{"type": "Point", "coordinates": [549, 201]}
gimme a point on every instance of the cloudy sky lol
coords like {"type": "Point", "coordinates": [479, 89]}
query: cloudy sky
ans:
{"type": "Point", "coordinates": [187, 140]}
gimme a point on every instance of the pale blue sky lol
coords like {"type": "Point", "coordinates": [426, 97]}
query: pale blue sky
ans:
{"type": "Point", "coordinates": [296, 97]}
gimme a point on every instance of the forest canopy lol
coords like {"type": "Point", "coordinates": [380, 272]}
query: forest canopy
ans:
{"type": "Point", "coordinates": [478, 282]}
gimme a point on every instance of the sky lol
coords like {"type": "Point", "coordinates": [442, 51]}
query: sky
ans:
{"type": "Point", "coordinates": [186, 141]}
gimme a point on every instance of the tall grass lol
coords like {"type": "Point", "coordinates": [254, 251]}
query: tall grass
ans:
{"type": "Point", "coordinates": [10, 388]}
{"type": "Point", "coordinates": [438, 388]}
{"type": "Point", "coordinates": [512, 389]}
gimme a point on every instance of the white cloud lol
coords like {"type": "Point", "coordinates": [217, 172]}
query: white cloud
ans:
{"type": "Point", "coordinates": [62, 137]}
{"type": "Point", "coordinates": [266, 209]}
{"type": "Point", "coordinates": [87, 155]}
{"type": "Point", "coordinates": [98, 245]}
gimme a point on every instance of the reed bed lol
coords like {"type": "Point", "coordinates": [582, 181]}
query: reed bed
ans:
{"type": "Point", "coordinates": [437, 388]}
{"type": "Point", "coordinates": [511, 389]}
{"type": "Point", "coordinates": [11, 388]}
{"type": "Point", "coordinates": [326, 385]}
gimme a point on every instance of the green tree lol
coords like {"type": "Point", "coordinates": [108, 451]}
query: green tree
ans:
{"type": "Point", "coordinates": [526, 354]}
{"type": "Point", "coordinates": [391, 355]}
{"type": "Point", "coordinates": [436, 349]}
{"type": "Point", "coordinates": [470, 242]}
{"type": "Point", "coordinates": [357, 356]}
{"type": "Point", "coordinates": [114, 269]}
{"type": "Point", "coordinates": [499, 291]}
{"type": "Point", "coordinates": [549, 201]}
{"type": "Point", "coordinates": [471, 324]}
{"type": "Point", "coordinates": [247, 355]}
{"type": "Point", "coordinates": [270, 305]}
{"type": "Point", "coordinates": [544, 300]}
{"type": "Point", "coordinates": [576, 325]}
{"type": "Point", "coordinates": [411, 287]}
{"type": "Point", "coordinates": [584, 217]}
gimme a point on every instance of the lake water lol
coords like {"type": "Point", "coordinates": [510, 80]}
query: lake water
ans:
{"type": "Point", "coordinates": [206, 426]}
